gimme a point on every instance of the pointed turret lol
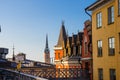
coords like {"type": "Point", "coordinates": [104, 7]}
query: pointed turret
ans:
{"type": "Point", "coordinates": [62, 36]}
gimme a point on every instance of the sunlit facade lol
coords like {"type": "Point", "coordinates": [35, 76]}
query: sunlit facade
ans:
{"type": "Point", "coordinates": [106, 39]}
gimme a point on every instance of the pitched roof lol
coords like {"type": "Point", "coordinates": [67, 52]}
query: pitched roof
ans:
{"type": "Point", "coordinates": [97, 4]}
{"type": "Point", "coordinates": [62, 36]}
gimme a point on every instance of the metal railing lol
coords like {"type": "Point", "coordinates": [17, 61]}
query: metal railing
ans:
{"type": "Point", "coordinates": [6, 74]}
{"type": "Point", "coordinates": [59, 74]}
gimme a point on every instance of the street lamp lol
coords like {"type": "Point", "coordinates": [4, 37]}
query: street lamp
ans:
{"type": "Point", "coordinates": [65, 69]}
{"type": "Point", "coordinates": [62, 63]}
{"type": "Point", "coordinates": [18, 68]}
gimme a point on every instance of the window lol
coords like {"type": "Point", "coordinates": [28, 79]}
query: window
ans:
{"type": "Point", "coordinates": [118, 7]}
{"type": "Point", "coordinates": [99, 20]}
{"type": "Point", "coordinates": [100, 74]}
{"type": "Point", "coordinates": [86, 48]}
{"type": "Point", "coordinates": [99, 43]}
{"type": "Point", "coordinates": [58, 55]}
{"type": "Point", "coordinates": [112, 74]}
{"type": "Point", "coordinates": [110, 15]}
{"type": "Point", "coordinates": [111, 46]}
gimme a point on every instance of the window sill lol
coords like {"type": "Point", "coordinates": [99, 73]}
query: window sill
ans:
{"type": "Point", "coordinates": [110, 23]}
{"type": "Point", "coordinates": [99, 56]}
{"type": "Point", "coordinates": [99, 27]}
{"type": "Point", "coordinates": [111, 54]}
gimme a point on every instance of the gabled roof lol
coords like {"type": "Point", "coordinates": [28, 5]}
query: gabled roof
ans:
{"type": "Point", "coordinates": [97, 4]}
{"type": "Point", "coordinates": [62, 36]}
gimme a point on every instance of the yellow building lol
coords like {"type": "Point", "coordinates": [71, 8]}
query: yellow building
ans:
{"type": "Point", "coordinates": [106, 39]}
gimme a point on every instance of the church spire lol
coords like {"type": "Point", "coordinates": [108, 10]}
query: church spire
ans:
{"type": "Point", "coordinates": [47, 51]}
{"type": "Point", "coordinates": [46, 41]}
{"type": "Point", "coordinates": [46, 46]}
{"type": "Point", "coordinates": [13, 53]}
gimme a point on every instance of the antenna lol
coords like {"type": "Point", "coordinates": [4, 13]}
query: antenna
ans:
{"type": "Point", "coordinates": [13, 53]}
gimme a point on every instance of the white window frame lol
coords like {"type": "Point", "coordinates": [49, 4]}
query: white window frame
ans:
{"type": "Point", "coordinates": [99, 19]}
{"type": "Point", "coordinates": [111, 43]}
{"type": "Point", "coordinates": [99, 46]}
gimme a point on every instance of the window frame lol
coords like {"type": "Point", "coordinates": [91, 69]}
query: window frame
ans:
{"type": "Point", "coordinates": [86, 48]}
{"type": "Point", "coordinates": [118, 7]}
{"type": "Point", "coordinates": [58, 55]}
{"type": "Point", "coordinates": [99, 48]}
{"type": "Point", "coordinates": [112, 73]}
{"type": "Point", "coordinates": [100, 74]}
{"type": "Point", "coordinates": [111, 17]}
{"type": "Point", "coordinates": [99, 20]}
{"type": "Point", "coordinates": [111, 46]}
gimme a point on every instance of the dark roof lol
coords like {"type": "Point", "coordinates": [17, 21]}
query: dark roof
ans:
{"type": "Point", "coordinates": [97, 4]}
{"type": "Point", "coordinates": [80, 37]}
{"type": "Point", "coordinates": [69, 40]}
{"type": "Point", "coordinates": [62, 36]}
{"type": "Point", "coordinates": [74, 39]}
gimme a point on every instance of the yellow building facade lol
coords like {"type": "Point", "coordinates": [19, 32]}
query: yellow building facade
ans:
{"type": "Point", "coordinates": [106, 39]}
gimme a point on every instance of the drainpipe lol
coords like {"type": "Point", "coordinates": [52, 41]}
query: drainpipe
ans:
{"type": "Point", "coordinates": [86, 11]}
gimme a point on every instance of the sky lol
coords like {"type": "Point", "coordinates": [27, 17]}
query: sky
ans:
{"type": "Point", "coordinates": [25, 23]}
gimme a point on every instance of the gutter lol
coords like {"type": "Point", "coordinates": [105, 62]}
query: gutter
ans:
{"type": "Point", "coordinates": [88, 13]}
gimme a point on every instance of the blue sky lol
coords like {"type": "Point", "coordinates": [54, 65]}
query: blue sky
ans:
{"type": "Point", "coordinates": [25, 23]}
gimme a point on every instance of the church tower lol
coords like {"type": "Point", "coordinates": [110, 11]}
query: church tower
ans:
{"type": "Point", "coordinates": [47, 51]}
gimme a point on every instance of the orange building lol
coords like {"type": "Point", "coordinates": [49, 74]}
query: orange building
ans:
{"type": "Point", "coordinates": [68, 50]}
{"type": "Point", "coordinates": [59, 51]}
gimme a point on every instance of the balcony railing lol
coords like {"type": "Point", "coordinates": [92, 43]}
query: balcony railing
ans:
{"type": "Point", "coordinates": [6, 74]}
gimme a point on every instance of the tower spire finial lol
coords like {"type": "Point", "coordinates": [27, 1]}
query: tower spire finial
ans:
{"type": "Point", "coordinates": [13, 53]}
